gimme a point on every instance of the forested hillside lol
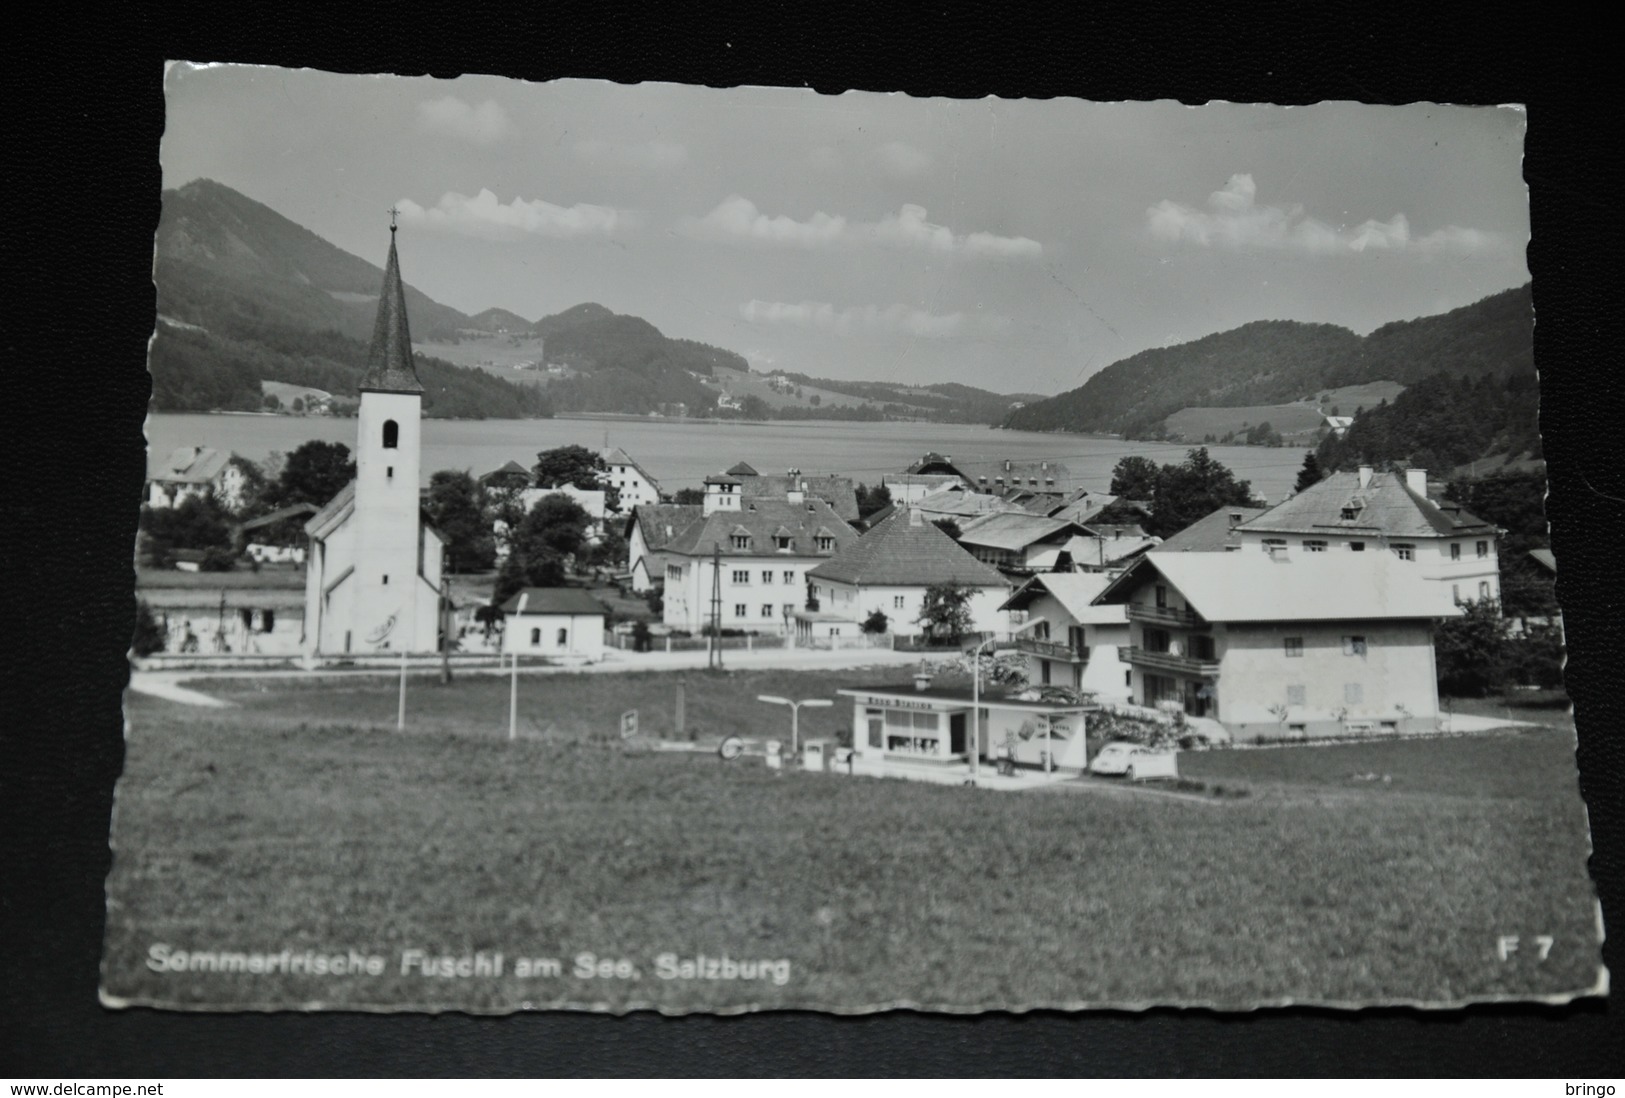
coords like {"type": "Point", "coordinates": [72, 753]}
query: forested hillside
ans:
{"type": "Point", "coordinates": [1443, 422]}
{"type": "Point", "coordinates": [944, 402]}
{"type": "Point", "coordinates": [1273, 361]}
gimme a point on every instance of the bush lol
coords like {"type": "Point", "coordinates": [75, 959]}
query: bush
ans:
{"type": "Point", "coordinates": [149, 635]}
{"type": "Point", "coordinates": [876, 622]}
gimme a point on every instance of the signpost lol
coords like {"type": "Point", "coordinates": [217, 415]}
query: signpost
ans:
{"type": "Point", "coordinates": [629, 724]}
{"type": "Point", "coordinates": [795, 713]}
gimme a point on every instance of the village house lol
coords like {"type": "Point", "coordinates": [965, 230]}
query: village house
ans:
{"type": "Point", "coordinates": [276, 537]}
{"type": "Point", "coordinates": [564, 623]}
{"type": "Point", "coordinates": [913, 487]}
{"type": "Point", "coordinates": [997, 476]}
{"type": "Point", "coordinates": [1284, 644]}
{"type": "Point", "coordinates": [1068, 639]}
{"type": "Point", "coordinates": [889, 570]}
{"type": "Point", "coordinates": [631, 480]}
{"type": "Point", "coordinates": [1021, 543]}
{"type": "Point", "coordinates": [837, 491]}
{"type": "Point", "coordinates": [373, 570]}
{"type": "Point", "coordinates": [198, 471]}
{"type": "Point", "coordinates": [227, 613]}
{"type": "Point", "coordinates": [590, 500]}
{"type": "Point", "coordinates": [1219, 532]}
{"type": "Point", "coordinates": [1391, 513]}
{"type": "Point", "coordinates": [956, 502]}
{"type": "Point", "coordinates": [648, 531]}
{"type": "Point", "coordinates": [744, 565]}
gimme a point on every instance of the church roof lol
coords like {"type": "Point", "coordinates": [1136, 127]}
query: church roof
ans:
{"type": "Point", "coordinates": [389, 359]}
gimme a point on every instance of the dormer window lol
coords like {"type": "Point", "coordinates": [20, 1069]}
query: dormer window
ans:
{"type": "Point", "coordinates": [1351, 513]}
{"type": "Point", "coordinates": [740, 541]}
{"type": "Point", "coordinates": [782, 543]}
{"type": "Point", "coordinates": [826, 543]}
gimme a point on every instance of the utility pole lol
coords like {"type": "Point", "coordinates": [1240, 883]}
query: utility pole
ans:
{"type": "Point", "coordinates": [400, 714]}
{"type": "Point", "coordinates": [714, 660]}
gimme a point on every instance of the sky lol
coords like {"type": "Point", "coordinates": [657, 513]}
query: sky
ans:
{"type": "Point", "coordinates": [1015, 245]}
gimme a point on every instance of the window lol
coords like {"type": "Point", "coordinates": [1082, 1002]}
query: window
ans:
{"type": "Point", "coordinates": [767, 575]}
{"type": "Point", "coordinates": [1296, 695]}
{"type": "Point", "coordinates": [1357, 546]}
{"type": "Point", "coordinates": [1484, 589]}
{"type": "Point", "coordinates": [392, 434]}
{"type": "Point", "coordinates": [1272, 544]}
{"type": "Point", "coordinates": [1483, 549]}
{"type": "Point", "coordinates": [1455, 550]}
{"type": "Point", "coordinates": [826, 542]}
{"type": "Point", "coordinates": [1314, 547]}
{"type": "Point", "coordinates": [535, 636]}
{"type": "Point", "coordinates": [740, 541]}
{"type": "Point", "coordinates": [1353, 693]}
{"type": "Point", "coordinates": [1405, 552]}
{"type": "Point", "coordinates": [739, 610]}
{"type": "Point", "coordinates": [1353, 646]}
{"type": "Point", "coordinates": [781, 543]}
{"type": "Point", "coordinates": [1156, 640]}
{"type": "Point", "coordinates": [1043, 672]}
{"type": "Point", "coordinates": [897, 602]}
{"type": "Point", "coordinates": [767, 609]}
{"type": "Point", "coordinates": [564, 638]}
{"type": "Point", "coordinates": [1294, 647]}
{"type": "Point", "coordinates": [742, 576]}
{"type": "Point", "coordinates": [267, 620]}
{"type": "Point", "coordinates": [386, 581]}
{"type": "Point", "coordinates": [1201, 647]}
{"type": "Point", "coordinates": [789, 608]}
{"type": "Point", "coordinates": [389, 473]}
{"type": "Point", "coordinates": [1128, 679]}
{"type": "Point", "coordinates": [1455, 593]}
{"type": "Point", "coordinates": [1162, 597]}
{"type": "Point", "coordinates": [673, 572]}
{"type": "Point", "coordinates": [1350, 514]}
{"type": "Point", "coordinates": [789, 577]}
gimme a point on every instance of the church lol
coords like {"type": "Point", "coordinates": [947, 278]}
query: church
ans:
{"type": "Point", "coordinates": [373, 568]}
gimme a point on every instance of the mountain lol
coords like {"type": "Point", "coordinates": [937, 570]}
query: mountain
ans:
{"type": "Point", "coordinates": [246, 295]}
{"type": "Point", "coordinates": [499, 320]}
{"type": "Point", "coordinates": [1280, 360]}
{"type": "Point", "coordinates": [943, 402]}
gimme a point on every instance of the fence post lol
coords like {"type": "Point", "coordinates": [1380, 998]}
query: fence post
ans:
{"type": "Point", "coordinates": [668, 644]}
{"type": "Point", "coordinates": [749, 639]}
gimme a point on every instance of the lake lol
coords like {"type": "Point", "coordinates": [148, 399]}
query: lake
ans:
{"type": "Point", "coordinates": [681, 453]}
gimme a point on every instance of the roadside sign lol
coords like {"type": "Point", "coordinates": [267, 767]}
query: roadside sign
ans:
{"type": "Point", "coordinates": [629, 724]}
{"type": "Point", "coordinates": [731, 748]}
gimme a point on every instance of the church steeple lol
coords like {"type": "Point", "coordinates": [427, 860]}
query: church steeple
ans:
{"type": "Point", "coordinates": [389, 361]}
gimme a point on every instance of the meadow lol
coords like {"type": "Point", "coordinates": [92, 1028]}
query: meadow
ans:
{"type": "Point", "coordinates": [303, 820]}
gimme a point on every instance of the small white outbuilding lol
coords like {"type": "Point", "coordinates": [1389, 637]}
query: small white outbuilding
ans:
{"type": "Point", "coordinates": [562, 622]}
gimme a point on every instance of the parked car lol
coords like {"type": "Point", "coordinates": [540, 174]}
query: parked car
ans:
{"type": "Point", "coordinates": [1116, 757]}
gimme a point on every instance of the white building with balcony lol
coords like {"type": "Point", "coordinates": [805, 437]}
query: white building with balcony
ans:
{"type": "Point", "coordinates": [1069, 640]}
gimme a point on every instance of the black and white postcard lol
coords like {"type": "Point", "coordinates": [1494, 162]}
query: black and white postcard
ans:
{"type": "Point", "coordinates": [615, 547]}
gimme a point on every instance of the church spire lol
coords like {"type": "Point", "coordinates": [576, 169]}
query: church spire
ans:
{"type": "Point", "coordinates": [389, 361]}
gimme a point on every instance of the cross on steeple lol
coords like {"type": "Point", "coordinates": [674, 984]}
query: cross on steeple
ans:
{"type": "Point", "coordinates": [392, 213]}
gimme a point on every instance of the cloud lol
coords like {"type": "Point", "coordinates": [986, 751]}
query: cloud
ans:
{"type": "Point", "coordinates": [485, 124]}
{"type": "Point", "coordinates": [737, 220]}
{"type": "Point", "coordinates": [483, 216]}
{"type": "Point", "coordinates": [870, 318]}
{"type": "Point", "coordinates": [642, 156]}
{"type": "Point", "coordinates": [1233, 219]}
{"type": "Point", "coordinates": [902, 160]}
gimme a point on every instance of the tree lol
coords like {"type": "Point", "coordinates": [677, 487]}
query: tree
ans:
{"type": "Point", "coordinates": [871, 500]}
{"type": "Point", "coordinates": [754, 407]}
{"type": "Point", "coordinates": [457, 508]}
{"type": "Point", "coordinates": [1193, 490]}
{"type": "Point", "coordinates": [1135, 478]}
{"type": "Point", "coordinates": [1310, 475]}
{"type": "Point", "coordinates": [272, 402]}
{"type": "Point", "coordinates": [315, 472]}
{"type": "Point", "coordinates": [196, 522]}
{"type": "Point", "coordinates": [815, 400]}
{"type": "Point", "coordinates": [689, 496]}
{"type": "Point", "coordinates": [876, 622]}
{"type": "Point", "coordinates": [1470, 652]}
{"type": "Point", "coordinates": [577, 466]}
{"type": "Point", "coordinates": [946, 610]}
{"type": "Point", "coordinates": [541, 547]}
{"type": "Point", "coordinates": [610, 550]}
{"type": "Point", "coordinates": [298, 406]}
{"type": "Point", "coordinates": [149, 635]}
{"type": "Point", "coordinates": [948, 526]}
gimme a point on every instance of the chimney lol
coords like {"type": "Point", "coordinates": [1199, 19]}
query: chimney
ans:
{"type": "Point", "coordinates": [1235, 518]}
{"type": "Point", "coordinates": [1365, 476]}
{"type": "Point", "coordinates": [1417, 481]}
{"type": "Point", "coordinates": [914, 517]}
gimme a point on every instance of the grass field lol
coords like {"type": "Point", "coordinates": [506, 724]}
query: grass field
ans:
{"type": "Point", "coordinates": [302, 820]}
{"type": "Point", "coordinates": [1297, 420]}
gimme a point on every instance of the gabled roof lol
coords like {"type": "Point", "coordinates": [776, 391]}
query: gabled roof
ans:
{"type": "Point", "coordinates": [274, 517]}
{"type": "Point", "coordinates": [1385, 506]}
{"type": "Point", "coordinates": [342, 506]}
{"type": "Point", "coordinates": [1076, 592]}
{"type": "Point", "coordinates": [1260, 587]}
{"type": "Point", "coordinates": [807, 521]}
{"type": "Point", "coordinates": [662, 522]}
{"type": "Point", "coordinates": [742, 470]}
{"type": "Point", "coordinates": [1016, 530]}
{"type": "Point", "coordinates": [836, 491]}
{"type": "Point", "coordinates": [907, 550]}
{"type": "Point", "coordinates": [1218, 532]}
{"type": "Point", "coordinates": [191, 465]}
{"type": "Point", "coordinates": [617, 456]}
{"type": "Point", "coordinates": [1545, 559]}
{"type": "Point", "coordinates": [511, 469]}
{"type": "Point", "coordinates": [721, 478]}
{"type": "Point", "coordinates": [957, 503]}
{"type": "Point", "coordinates": [553, 600]}
{"type": "Point", "coordinates": [1011, 474]}
{"type": "Point", "coordinates": [389, 359]}
{"type": "Point", "coordinates": [1096, 552]}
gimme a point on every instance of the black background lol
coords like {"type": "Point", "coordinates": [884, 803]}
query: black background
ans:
{"type": "Point", "coordinates": [85, 115]}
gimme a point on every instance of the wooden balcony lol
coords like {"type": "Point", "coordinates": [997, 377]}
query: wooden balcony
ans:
{"type": "Point", "coordinates": [1051, 650]}
{"type": "Point", "coordinates": [1167, 661]}
{"type": "Point", "coordinates": [1167, 615]}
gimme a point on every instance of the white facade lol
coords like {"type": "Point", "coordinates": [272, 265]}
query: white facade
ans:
{"type": "Point", "coordinates": [566, 636]}
{"type": "Point", "coordinates": [1469, 566]}
{"type": "Point", "coordinates": [635, 486]}
{"type": "Point", "coordinates": [902, 605]}
{"type": "Point", "coordinates": [1061, 651]}
{"type": "Point", "coordinates": [229, 485]}
{"type": "Point", "coordinates": [759, 593]}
